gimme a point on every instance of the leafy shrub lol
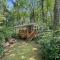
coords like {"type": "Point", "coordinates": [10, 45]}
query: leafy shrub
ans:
{"type": "Point", "coordinates": [50, 46]}
{"type": "Point", "coordinates": [1, 44]}
{"type": "Point", "coordinates": [8, 31]}
{"type": "Point", "coordinates": [14, 35]}
{"type": "Point", "coordinates": [1, 50]}
{"type": "Point", "coordinates": [5, 32]}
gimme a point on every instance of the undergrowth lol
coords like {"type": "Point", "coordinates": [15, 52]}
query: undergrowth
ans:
{"type": "Point", "coordinates": [50, 46]}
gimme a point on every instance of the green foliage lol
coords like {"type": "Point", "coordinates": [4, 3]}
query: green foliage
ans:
{"type": "Point", "coordinates": [1, 50]}
{"type": "Point", "coordinates": [8, 31]}
{"type": "Point", "coordinates": [1, 43]}
{"type": "Point", "coordinates": [19, 13]}
{"type": "Point", "coordinates": [1, 38]}
{"type": "Point", "coordinates": [14, 35]}
{"type": "Point", "coordinates": [5, 32]}
{"type": "Point", "coordinates": [50, 46]}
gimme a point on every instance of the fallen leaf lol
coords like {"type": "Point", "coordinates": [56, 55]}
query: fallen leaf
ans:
{"type": "Point", "coordinates": [10, 51]}
{"type": "Point", "coordinates": [22, 57]}
{"type": "Point", "coordinates": [12, 55]}
{"type": "Point", "coordinates": [12, 45]}
{"type": "Point", "coordinates": [31, 58]}
{"type": "Point", "coordinates": [34, 49]}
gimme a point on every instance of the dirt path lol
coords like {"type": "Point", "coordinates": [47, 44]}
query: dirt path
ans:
{"type": "Point", "coordinates": [23, 51]}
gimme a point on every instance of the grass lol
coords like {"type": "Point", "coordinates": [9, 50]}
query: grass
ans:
{"type": "Point", "coordinates": [23, 51]}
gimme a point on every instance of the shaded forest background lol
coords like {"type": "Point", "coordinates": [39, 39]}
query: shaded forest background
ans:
{"type": "Point", "coordinates": [46, 13]}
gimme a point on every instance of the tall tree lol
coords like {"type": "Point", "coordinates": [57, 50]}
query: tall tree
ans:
{"type": "Point", "coordinates": [32, 14]}
{"type": "Point", "coordinates": [56, 14]}
{"type": "Point", "coordinates": [56, 17]}
{"type": "Point", "coordinates": [42, 7]}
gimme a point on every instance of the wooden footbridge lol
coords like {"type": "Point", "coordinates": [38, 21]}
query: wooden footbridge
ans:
{"type": "Point", "coordinates": [27, 31]}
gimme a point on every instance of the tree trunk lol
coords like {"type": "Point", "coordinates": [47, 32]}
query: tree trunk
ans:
{"type": "Point", "coordinates": [56, 14]}
{"type": "Point", "coordinates": [42, 7]}
{"type": "Point", "coordinates": [32, 16]}
{"type": "Point", "coordinates": [56, 17]}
